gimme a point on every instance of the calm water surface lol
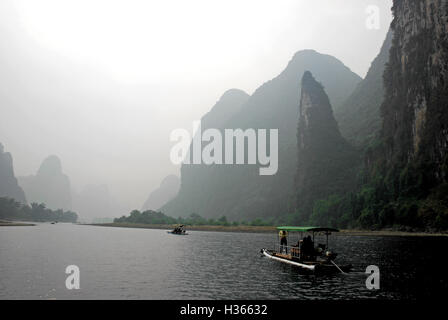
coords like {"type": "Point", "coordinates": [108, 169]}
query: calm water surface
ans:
{"type": "Point", "coordinates": [121, 263]}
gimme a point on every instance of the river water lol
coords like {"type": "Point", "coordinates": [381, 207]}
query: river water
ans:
{"type": "Point", "coordinates": [124, 263]}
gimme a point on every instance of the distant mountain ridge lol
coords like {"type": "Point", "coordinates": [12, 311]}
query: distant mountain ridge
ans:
{"type": "Point", "coordinates": [359, 116]}
{"type": "Point", "coordinates": [238, 191]}
{"type": "Point", "coordinates": [168, 189]}
{"type": "Point", "coordinates": [326, 161]}
{"type": "Point", "coordinates": [49, 186]}
{"type": "Point", "coordinates": [9, 186]}
{"type": "Point", "coordinates": [225, 108]}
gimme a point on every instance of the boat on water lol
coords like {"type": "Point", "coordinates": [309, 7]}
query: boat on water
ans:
{"type": "Point", "coordinates": [304, 253]}
{"type": "Point", "coordinates": [176, 233]}
{"type": "Point", "coordinates": [179, 230]}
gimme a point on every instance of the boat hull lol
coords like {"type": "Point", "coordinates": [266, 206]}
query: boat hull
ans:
{"type": "Point", "coordinates": [321, 268]}
{"type": "Point", "coordinates": [178, 234]}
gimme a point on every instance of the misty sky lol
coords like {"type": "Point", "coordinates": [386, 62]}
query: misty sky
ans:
{"type": "Point", "coordinates": [102, 84]}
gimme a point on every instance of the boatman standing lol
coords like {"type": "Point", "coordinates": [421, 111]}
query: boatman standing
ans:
{"type": "Point", "coordinates": [283, 234]}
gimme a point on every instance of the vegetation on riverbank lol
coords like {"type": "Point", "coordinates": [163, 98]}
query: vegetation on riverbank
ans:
{"type": "Point", "coordinates": [264, 229]}
{"type": "Point", "coordinates": [228, 228]}
{"type": "Point", "coordinates": [157, 218]}
{"type": "Point", "coordinates": [13, 210]}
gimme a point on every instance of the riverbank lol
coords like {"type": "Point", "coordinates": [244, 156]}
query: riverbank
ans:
{"type": "Point", "coordinates": [4, 223]}
{"type": "Point", "coordinates": [256, 229]}
{"type": "Point", "coordinates": [267, 229]}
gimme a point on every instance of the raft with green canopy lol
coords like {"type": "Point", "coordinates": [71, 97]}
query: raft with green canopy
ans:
{"type": "Point", "coordinates": [305, 254]}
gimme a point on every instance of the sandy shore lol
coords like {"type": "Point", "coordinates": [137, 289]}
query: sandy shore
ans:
{"type": "Point", "coordinates": [269, 229]}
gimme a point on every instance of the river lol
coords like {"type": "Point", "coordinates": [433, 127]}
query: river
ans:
{"type": "Point", "coordinates": [125, 263]}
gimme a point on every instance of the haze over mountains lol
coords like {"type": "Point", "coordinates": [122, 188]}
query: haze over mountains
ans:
{"type": "Point", "coordinates": [95, 203]}
{"type": "Point", "coordinates": [50, 185]}
{"type": "Point", "coordinates": [106, 108]}
{"type": "Point", "coordinates": [238, 191]}
{"type": "Point", "coordinates": [393, 174]}
{"type": "Point", "coordinates": [352, 152]}
{"type": "Point", "coordinates": [359, 116]}
{"type": "Point", "coordinates": [168, 189]}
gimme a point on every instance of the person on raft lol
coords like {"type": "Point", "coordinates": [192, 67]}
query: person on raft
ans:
{"type": "Point", "coordinates": [283, 240]}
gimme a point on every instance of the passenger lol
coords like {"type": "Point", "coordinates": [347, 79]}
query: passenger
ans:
{"type": "Point", "coordinates": [310, 241]}
{"type": "Point", "coordinates": [304, 246]}
{"type": "Point", "coordinates": [310, 246]}
{"type": "Point", "coordinates": [283, 240]}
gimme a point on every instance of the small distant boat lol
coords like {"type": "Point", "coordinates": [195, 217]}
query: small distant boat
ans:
{"type": "Point", "coordinates": [305, 255]}
{"type": "Point", "coordinates": [179, 230]}
{"type": "Point", "coordinates": [179, 234]}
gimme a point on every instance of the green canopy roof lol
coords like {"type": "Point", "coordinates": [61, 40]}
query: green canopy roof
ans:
{"type": "Point", "coordinates": [307, 229]}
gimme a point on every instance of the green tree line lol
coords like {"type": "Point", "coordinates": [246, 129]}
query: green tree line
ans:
{"type": "Point", "coordinates": [38, 212]}
{"type": "Point", "coordinates": [155, 217]}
